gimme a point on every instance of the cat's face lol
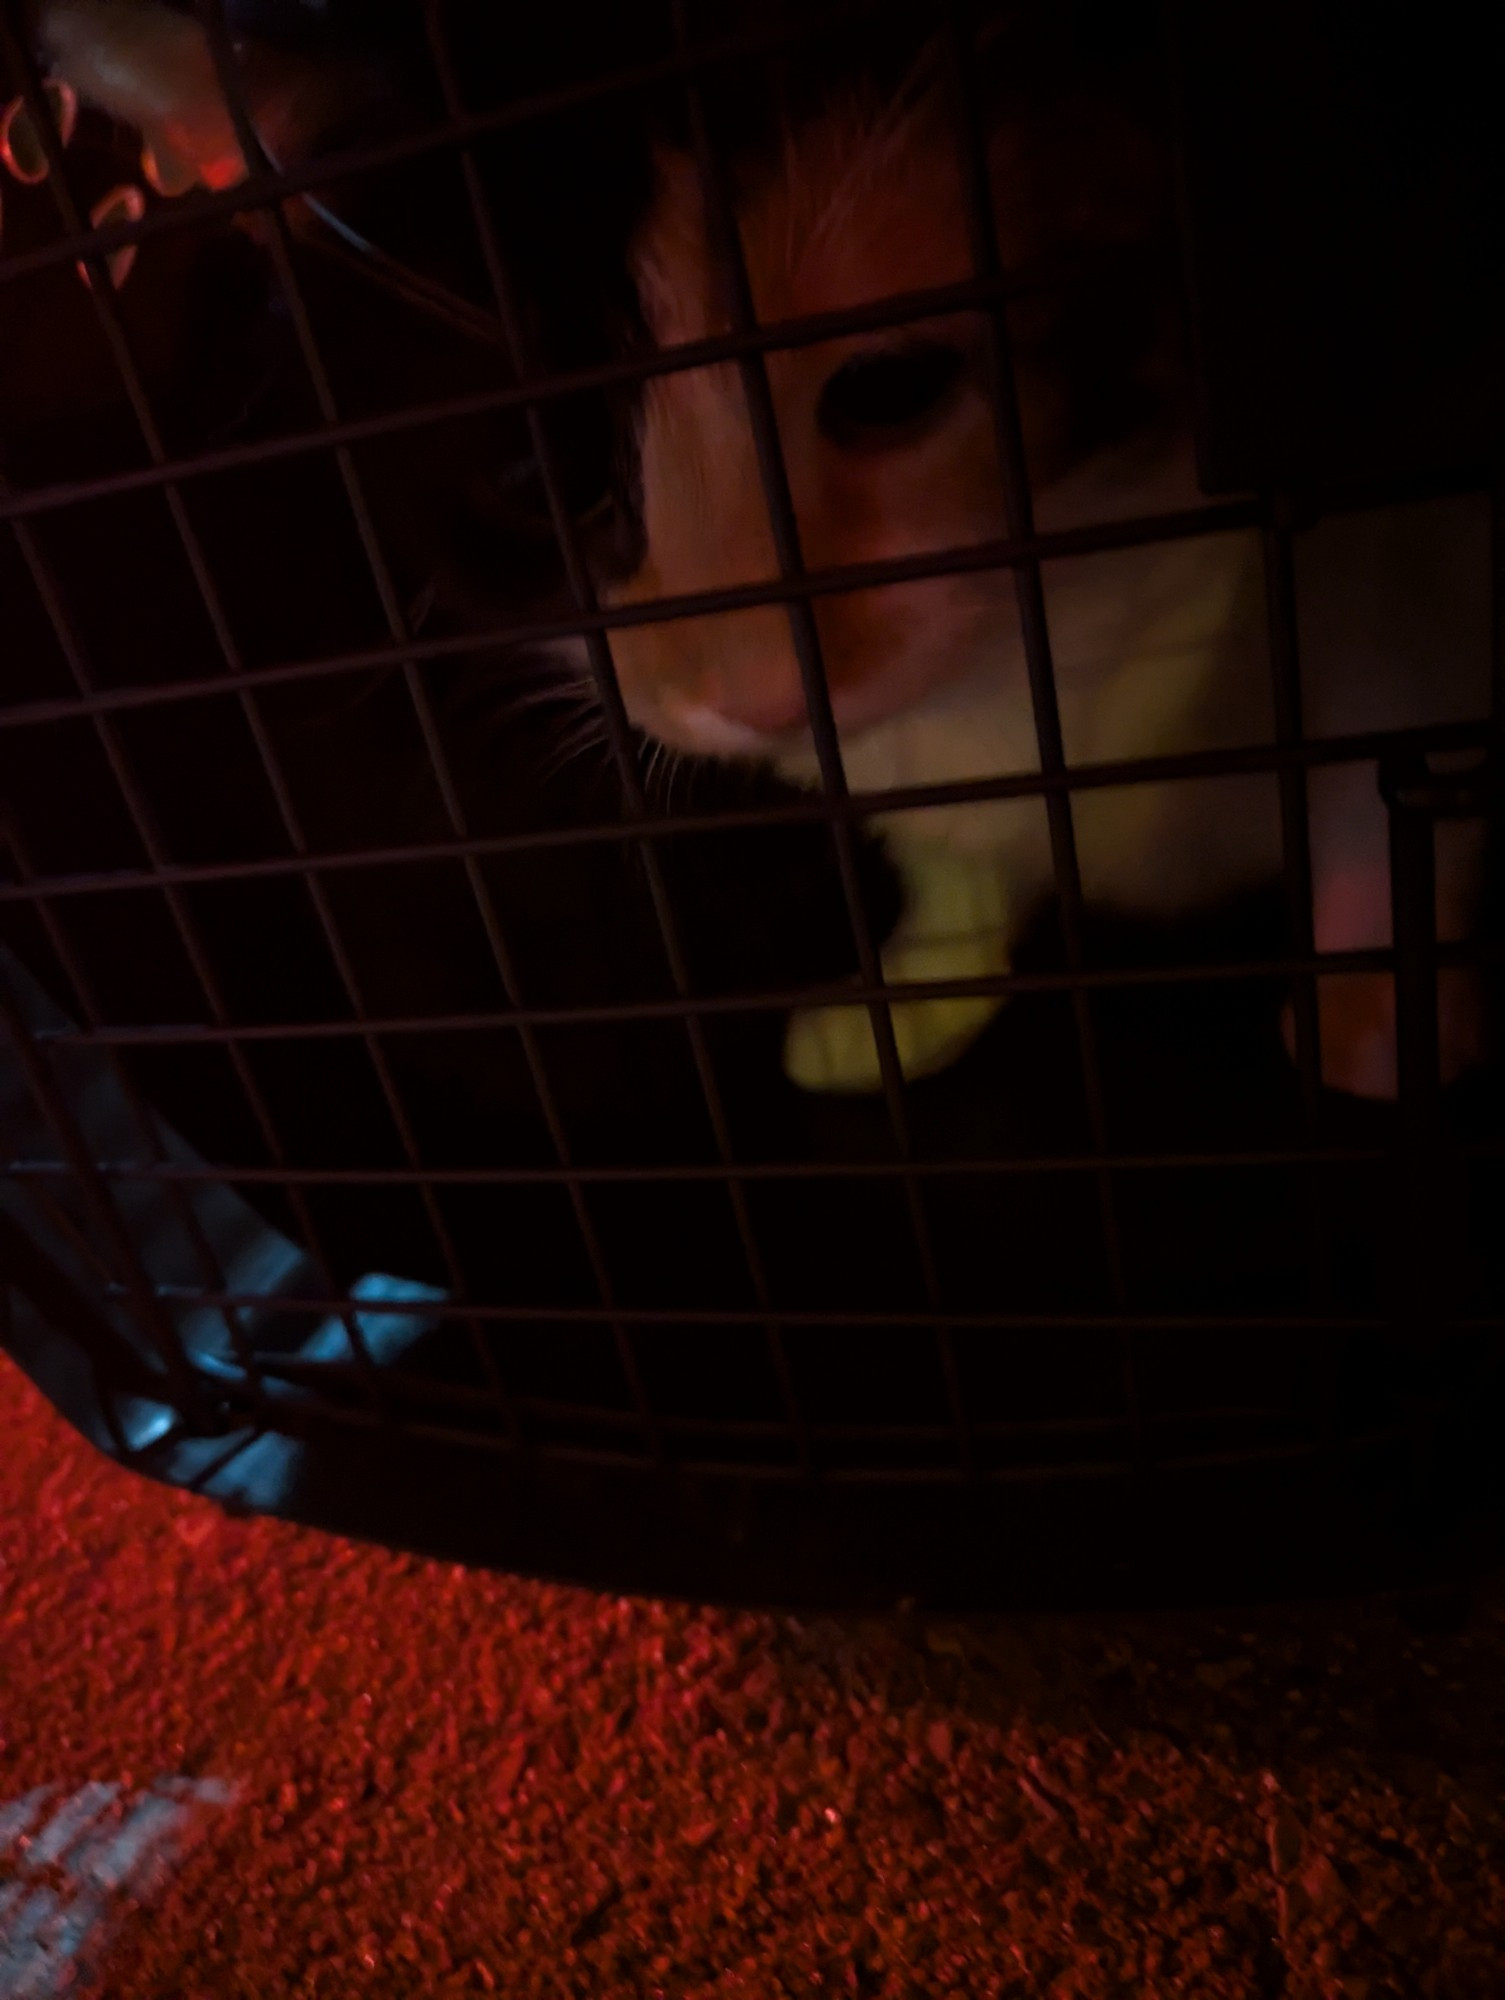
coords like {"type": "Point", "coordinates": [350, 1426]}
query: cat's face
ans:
{"type": "Point", "coordinates": [888, 438]}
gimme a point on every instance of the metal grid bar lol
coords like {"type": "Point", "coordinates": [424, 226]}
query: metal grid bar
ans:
{"type": "Point", "coordinates": [1425, 1292]}
{"type": "Point", "coordinates": [232, 88]}
{"type": "Point", "coordinates": [1023, 550]}
{"type": "Point", "coordinates": [311, 1375]}
{"type": "Point", "coordinates": [755, 1431]}
{"type": "Point", "coordinates": [773, 1431]}
{"type": "Point", "coordinates": [143, 824]}
{"type": "Point", "coordinates": [1018, 505]}
{"type": "Point", "coordinates": [56, 1217]}
{"type": "Point", "coordinates": [1282, 639]}
{"type": "Point", "coordinates": [502, 288]}
{"type": "Point", "coordinates": [1223, 972]}
{"type": "Point", "coordinates": [1413, 899]}
{"type": "Point", "coordinates": [147, 1126]}
{"type": "Point", "coordinates": [980, 1322]}
{"type": "Point", "coordinates": [1281, 625]}
{"type": "Point", "coordinates": [1278, 555]}
{"type": "Point", "coordinates": [783, 524]}
{"type": "Point", "coordinates": [551, 387]}
{"type": "Point", "coordinates": [1296, 845]}
{"type": "Point", "coordinates": [102, 294]}
{"type": "Point", "coordinates": [1497, 611]}
{"type": "Point", "coordinates": [769, 1430]}
{"type": "Point", "coordinates": [668, 1175]}
{"type": "Point", "coordinates": [139, 1289]}
{"type": "Point", "coordinates": [857, 805]}
{"type": "Point", "coordinates": [24, 1270]}
{"type": "Point", "coordinates": [1000, 554]}
{"type": "Point", "coordinates": [604, 673]}
{"type": "Point", "coordinates": [772, 337]}
{"type": "Point", "coordinates": [1497, 684]}
{"type": "Point", "coordinates": [310, 1423]}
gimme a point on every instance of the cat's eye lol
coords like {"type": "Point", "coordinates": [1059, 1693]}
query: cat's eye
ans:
{"type": "Point", "coordinates": [878, 400]}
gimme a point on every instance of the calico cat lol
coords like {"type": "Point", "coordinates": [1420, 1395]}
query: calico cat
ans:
{"type": "Point", "coordinates": [890, 444]}
{"type": "Point", "coordinates": [891, 451]}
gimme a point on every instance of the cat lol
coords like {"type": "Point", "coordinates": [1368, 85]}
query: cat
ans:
{"type": "Point", "coordinates": [888, 439]}
{"type": "Point", "coordinates": [889, 442]}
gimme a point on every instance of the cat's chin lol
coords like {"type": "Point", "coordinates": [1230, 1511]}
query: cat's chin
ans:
{"type": "Point", "coordinates": [928, 741]}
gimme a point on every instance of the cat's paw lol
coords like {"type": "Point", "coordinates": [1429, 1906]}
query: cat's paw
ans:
{"type": "Point", "coordinates": [834, 1049]}
{"type": "Point", "coordinates": [955, 926]}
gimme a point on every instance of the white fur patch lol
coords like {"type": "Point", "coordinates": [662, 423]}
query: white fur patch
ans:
{"type": "Point", "coordinates": [718, 735]}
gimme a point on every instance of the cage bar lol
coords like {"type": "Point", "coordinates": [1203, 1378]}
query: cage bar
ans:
{"type": "Point", "coordinates": [102, 295]}
{"type": "Point", "coordinates": [778, 501]}
{"type": "Point", "coordinates": [954, 1442]}
{"type": "Point", "coordinates": [604, 673]}
{"type": "Point", "coordinates": [211, 1271]}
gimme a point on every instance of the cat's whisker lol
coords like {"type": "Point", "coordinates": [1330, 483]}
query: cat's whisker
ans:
{"type": "Point", "coordinates": [660, 763]}
{"type": "Point", "coordinates": [678, 763]}
{"type": "Point", "coordinates": [582, 730]}
{"type": "Point", "coordinates": [569, 705]}
{"type": "Point", "coordinates": [587, 736]}
{"type": "Point", "coordinates": [558, 697]}
{"type": "Point", "coordinates": [524, 681]}
{"type": "Point", "coordinates": [538, 688]}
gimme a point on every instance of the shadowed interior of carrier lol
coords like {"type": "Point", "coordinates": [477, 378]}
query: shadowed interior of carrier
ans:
{"type": "Point", "coordinates": [394, 1038]}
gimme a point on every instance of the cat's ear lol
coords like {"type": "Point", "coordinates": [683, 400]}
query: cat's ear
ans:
{"type": "Point", "coordinates": [151, 66]}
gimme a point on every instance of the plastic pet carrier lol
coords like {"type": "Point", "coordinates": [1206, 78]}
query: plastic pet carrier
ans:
{"type": "Point", "coordinates": [398, 1125]}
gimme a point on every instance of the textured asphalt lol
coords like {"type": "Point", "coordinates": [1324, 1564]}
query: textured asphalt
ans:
{"type": "Point", "coordinates": [238, 1758]}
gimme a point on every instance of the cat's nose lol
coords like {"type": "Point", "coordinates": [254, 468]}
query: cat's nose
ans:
{"type": "Point", "coordinates": [750, 672]}
{"type": "Point", "coordinates": [768, 705]}
{"type": "Point", "coordinates": [728, 685]}
{"type": "Point", "coordinates": [738, 725]}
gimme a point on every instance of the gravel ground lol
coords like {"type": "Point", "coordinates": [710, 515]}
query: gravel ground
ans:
{"type": "Point", "coordinates": [422, 1780]}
